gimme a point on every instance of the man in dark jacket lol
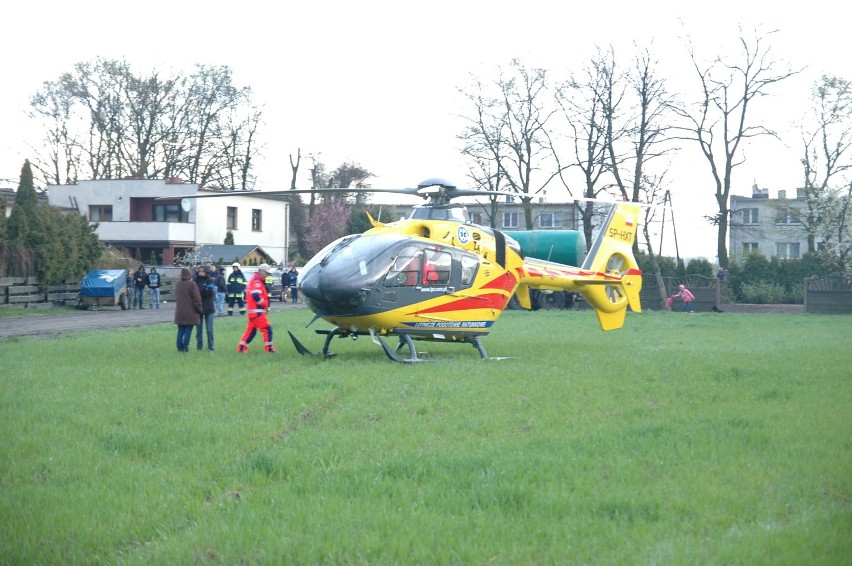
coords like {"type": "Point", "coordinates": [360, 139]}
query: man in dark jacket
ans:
{"type": "Point", "coordinates": [187, 308]}
{"type": "Point", "coordinates": [207, 289]}
{"type": "Point", "coordinates": [221, 289]}
{"type": "Point", "coordinates": [292, 281]}
{"type": "Point", "coordinates": [153, 289]}
{"type": "Point", "coordinates": [140, 281]}
{"type": "Point", "coordinates": [236, 289]}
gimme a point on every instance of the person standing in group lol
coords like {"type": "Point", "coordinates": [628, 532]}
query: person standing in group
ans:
{"type": "Point", "coordinates": [187, 308]}
{"type": "Point", "coordinates": [153, 289]}
{"type": "Point", "coordinates": [292, 280]}
{"type": "Point", "coordinates": [257, 299]}
{"type": "Point", "coordinates": [687, 297]}
{"type": "Point", "coordinates": [128, 284]}
{"type": "Point", "coordinates": [207, 289]}
{"type": "Point", "coordinates": [221, 289]}
{"type": "Point", "coordinates": [140, 281]}
{"type": "Point", "coordinates": [236, 289]}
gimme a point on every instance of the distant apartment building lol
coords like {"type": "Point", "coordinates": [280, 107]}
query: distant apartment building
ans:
{"type": "Point", "coordinates": [771, 226]}
{"type": "Point", "coordinates": [510, 215]}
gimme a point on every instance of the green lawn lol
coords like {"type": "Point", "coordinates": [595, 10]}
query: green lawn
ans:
{"type": "Point", "coordinates": [679, 439]}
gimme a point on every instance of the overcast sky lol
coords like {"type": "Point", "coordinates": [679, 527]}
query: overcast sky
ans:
{"type": "Point", "coordinates": [377, 83]}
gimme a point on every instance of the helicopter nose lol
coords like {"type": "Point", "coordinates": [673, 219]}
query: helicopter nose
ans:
{"type": "Point", "coordinates": [326, 293]}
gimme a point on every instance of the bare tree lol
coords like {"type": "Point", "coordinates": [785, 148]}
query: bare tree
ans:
{"type": "Point", "coordinates": [298, 220]}
{"type": "Point", "coordinates": [484, 146]}
{"type": "Point", "coordinates": [105, 122]}
{"type": "Point", "coordinates": [54, 107]}
{"type": "Point", "coordinates": [719, 121]}
{"type": "Point", "coordinates": [582, 100]}
{"type": "Point", "coordinates": [513, 128]}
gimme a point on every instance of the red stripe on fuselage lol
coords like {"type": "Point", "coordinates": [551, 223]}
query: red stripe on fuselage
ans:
{"type": "Point", "coordinates": [488, 301]}
{"type": "Point", "coordinates": [505, 281]}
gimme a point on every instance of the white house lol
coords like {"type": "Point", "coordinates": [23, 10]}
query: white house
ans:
{"type": "Point", "coordinates": [131, 216]}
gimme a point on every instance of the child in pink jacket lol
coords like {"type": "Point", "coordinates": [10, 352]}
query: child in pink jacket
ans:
{"type": "Point", "coordinates": [687, 296]}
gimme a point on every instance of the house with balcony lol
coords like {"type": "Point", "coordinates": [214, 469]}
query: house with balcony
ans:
{"type": "Point", "coordinates": [770, 226]}
{"type": "Point", "coordinates": [133, 215]}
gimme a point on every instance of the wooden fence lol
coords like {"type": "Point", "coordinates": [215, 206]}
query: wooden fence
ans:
{"type": "Point", "coordinates": [707, 291]}
{"type": "Point", "coordinates": [828, 295]}
{"type": "Point", "coordinates": [25, 293]}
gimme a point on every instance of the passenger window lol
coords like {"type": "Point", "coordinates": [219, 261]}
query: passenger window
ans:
{"type": "Point", "coordinates": [437, 268]}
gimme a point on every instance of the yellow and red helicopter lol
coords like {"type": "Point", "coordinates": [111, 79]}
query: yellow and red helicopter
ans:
{"type": "Point", "coordinates": [436, 276]}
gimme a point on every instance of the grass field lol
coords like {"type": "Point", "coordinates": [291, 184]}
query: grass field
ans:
{"type": "Point", "coordinates": [680, 439]}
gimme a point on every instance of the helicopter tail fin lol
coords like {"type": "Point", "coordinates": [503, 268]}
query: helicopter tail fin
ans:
{"type": "Point", "coordinates": [615, 278]}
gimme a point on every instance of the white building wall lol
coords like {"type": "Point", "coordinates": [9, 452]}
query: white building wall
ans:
{"type": "Point", "coordinates": [767, 233]}
{"type": "Point", "coordinates": [115, 192]}
{"type": "Point", "coordinates": [212, 223]}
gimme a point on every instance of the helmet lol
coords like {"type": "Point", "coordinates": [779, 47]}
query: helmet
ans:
{"type": "Point", "coordinates": [235, 264]}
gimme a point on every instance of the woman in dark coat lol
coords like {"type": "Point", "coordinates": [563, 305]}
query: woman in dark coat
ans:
{"type": "Point", "coordinates": [187, 308]}
{"type": "Point", "coordinates": [207, 288]}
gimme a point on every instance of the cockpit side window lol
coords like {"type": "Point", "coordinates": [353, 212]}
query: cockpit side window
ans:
{"type": "Point", "coordinates": [405, 269]}
{"type": "Point", "coordinates": [468, 269]}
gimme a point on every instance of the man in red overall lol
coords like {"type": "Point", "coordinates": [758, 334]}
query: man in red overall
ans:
{"type": "Point", "coordinates": [257, 303]}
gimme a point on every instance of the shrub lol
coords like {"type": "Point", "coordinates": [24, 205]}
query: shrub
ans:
{"type": "Point", "coordinates": [762, 293]}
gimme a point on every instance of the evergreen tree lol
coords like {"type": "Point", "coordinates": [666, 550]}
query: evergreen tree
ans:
{"type": "Point", "coordinates": [45, 242]}
{"type": "Point", "coordinates": [23, 217]}
{"type": "Point", "coordinates": [3, 221]}
{"type": "Point", "coordinates": [4, 241]}
{"type": "Point", "coordinates": [21, 224]}
{"type": "Point", "coordinates": [229, 238]}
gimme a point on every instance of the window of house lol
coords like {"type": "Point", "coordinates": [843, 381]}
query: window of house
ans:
{"type": "Point", "coordinates": [100, 213]}
{"type": "Point", "coordinates": [510, 220]}
{"type": "Point", "coordinates": [787, 250]}
{"type": "Point", "coordinates": [749, 247]}
{"type": "Point", "coordinates": [550, 220]}
{"type": "Point", "coordinates": [256, 219]}
{"type": "Point", "coordinates": [476, 217]}
{"type": "Point", "coordinates": [169, 213]}
{"type": "Point", "coordinates": [749, 215]}
{"type": "Point", "coordinates": [231, 221]}
{"type": "Point", "coordinates": [788, 216]}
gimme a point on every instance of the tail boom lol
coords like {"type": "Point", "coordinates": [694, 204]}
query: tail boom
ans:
{"type": "Point", "coordinates": [609, 279]}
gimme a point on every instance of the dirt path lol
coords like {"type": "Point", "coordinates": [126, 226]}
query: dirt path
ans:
{"type": "Point", "coordinates": [100, 319]}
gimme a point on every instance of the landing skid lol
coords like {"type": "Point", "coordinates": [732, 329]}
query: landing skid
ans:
{"type": "Point", "coordinates": [325, 353]}
{"type": "Point", "coordinates": [405, 340]}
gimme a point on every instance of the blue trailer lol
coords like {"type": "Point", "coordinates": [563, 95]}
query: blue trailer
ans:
{"type": "Point", "coordinates": [104, 287]}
